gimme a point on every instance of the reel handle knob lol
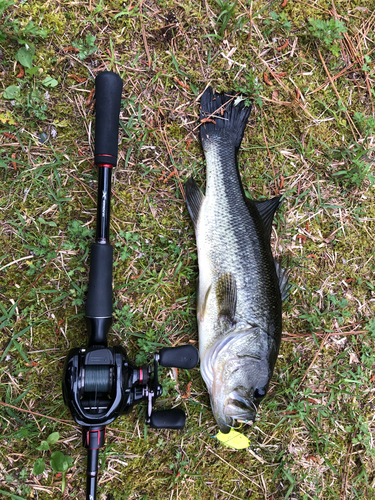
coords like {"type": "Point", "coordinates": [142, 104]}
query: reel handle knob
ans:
{"type": "Point", "coordinates": [168, 419]}
{"type": "Point", "coordinates": [184, 356]}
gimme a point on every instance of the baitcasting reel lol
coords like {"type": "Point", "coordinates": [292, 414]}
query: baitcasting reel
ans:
{"type": "Point", "coordinates": [99, 382]}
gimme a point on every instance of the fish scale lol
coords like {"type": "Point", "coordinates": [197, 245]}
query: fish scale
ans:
{"type": "Point", "coordinates": [229, 233]}
{"type": "Point", "coordinates": [240, 288]}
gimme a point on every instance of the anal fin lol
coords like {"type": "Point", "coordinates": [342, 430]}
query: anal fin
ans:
{"type": "Point", "coordinates": [283, 275]}
{"type": "Point", "coordinates": [267, 211]}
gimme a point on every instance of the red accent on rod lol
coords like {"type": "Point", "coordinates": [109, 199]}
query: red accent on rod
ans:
{"type": "Point", "coordinates": [98, 437]}
{"type": "Point", "coordinates": [105, 165]}
{"type": "Point", "coordinates": [140, 374]}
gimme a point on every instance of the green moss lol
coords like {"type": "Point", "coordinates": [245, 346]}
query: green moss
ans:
{"type": "Point", "coordinates": [303, 428]}
{"type": "Point", "coordinates": [56, 22]}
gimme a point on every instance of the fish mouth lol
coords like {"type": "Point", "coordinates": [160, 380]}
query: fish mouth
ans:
{"type": "Point", "coordinates": [233, 412]}
{"type": "Point", "coordinates": [225, 427]}
{"type": "Point", "coordinates": [240, 406]}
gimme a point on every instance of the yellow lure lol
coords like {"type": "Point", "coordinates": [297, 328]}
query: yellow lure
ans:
{"type": "Point", "coordinates": [234, 439]}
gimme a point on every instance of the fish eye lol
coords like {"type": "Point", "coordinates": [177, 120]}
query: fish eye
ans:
{"type": "Point", "coordinates": [259, 393]}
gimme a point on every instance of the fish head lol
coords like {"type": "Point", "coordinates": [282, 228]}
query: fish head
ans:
{"type": "Point", "coordinates": [238, 373]}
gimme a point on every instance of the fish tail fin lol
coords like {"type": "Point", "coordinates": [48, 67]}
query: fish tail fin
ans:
{"type": "Point", "coordinates": [222, 116]}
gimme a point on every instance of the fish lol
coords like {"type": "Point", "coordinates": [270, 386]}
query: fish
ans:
{"type": "Point", "coordinates": [240, 287]}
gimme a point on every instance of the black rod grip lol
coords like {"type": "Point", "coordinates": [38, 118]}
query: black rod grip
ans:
{"type": "Point", "coordinates": [99, 296]}
{"type": "Point", "coordinates": [108, 89]}
{"type": "Point", "coordinates": [184, 356]}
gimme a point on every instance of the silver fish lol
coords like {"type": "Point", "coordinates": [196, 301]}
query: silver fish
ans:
{"type": "Point", "coordinates": [241, 287]}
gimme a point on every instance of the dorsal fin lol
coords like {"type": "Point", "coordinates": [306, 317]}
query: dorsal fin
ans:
{"type": "Point", "coordinates": [283, 275]}
{"type": "Point", "coordinates": [267, 210]}
{"type": "Point", "coordinates": [226, 296]}
{"type": "Point", "coordinates": [194, 199]}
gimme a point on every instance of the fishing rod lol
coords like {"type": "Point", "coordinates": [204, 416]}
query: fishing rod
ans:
{"type": "Point", "coordinates": [99, 382]}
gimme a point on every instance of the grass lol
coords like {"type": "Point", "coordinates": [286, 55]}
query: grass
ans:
{"type": "Point", "coordinates": [310, 70]}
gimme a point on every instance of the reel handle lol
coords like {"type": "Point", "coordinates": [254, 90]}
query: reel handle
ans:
{"type": "Point", "coordinates": [108, 89]}
{"type": "Point", "coordinates": [168, 419]}
{"type": "Point", "coordinates": [184, 356]}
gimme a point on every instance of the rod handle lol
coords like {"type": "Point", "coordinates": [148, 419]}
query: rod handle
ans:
{"type": "Point", "coordinates": [108, 89]}
{"type": "Point", "coordinates": [99, 296]}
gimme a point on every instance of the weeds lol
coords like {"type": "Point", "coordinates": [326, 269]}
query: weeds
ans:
{"type": "Point", "coordinates": [86, 47]}
{"type": "Point", "coordinates": [251, 88]}
{"type": "Point", "coordinates": [59, 462]}
{"type": "Point", "coordinates": [366, 124]}
{"type": "Point", "coordinates": [313, 434]}
{"type": "Point", "coordinates": [12, 28]}
{"type": "Point", "coordinates": [277, 24]}
{"type": "Point", "coordinates": [355, 164]}
{"type": "Point", "coordinates": [227, 10]}
{"type": "Point", "coordinates": [26, 96]}
{"type": "Point", "coordinates": [327, 33]}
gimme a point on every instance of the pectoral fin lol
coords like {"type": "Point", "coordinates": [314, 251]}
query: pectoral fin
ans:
{"type": "Point", "coordinates": [226, 296]}
{"type": "Point", "coordinates": [194, 199]}
{"type": "Point", "coordinates": [202, 305]}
